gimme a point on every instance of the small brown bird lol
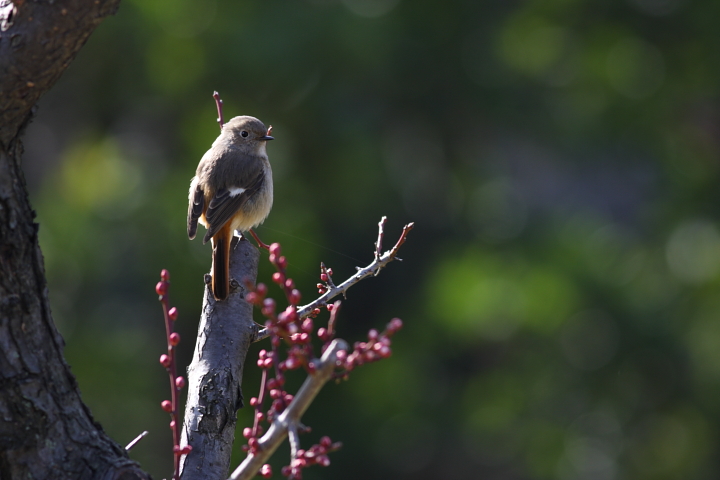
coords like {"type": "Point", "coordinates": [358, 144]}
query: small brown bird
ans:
{"type": "Point", "coordinates": [232, 190]}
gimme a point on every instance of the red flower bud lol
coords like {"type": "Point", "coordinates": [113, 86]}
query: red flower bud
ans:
{"type": "Point", "coordinates": [325, 441]}
{"type": "Point", "coordinates": [172, 423]}
{"type": "Point", "coordinates": [268, 308]}
{"type": "Point", "coordinates": [278, 278]}
{"type": "Point", "coordinates": [174, 339]}
{"type": "Point", "coordinates": [186, 449]}
{"type": "Point", "coordinates": [247, 432]}
{"type": "Point", "coordinates": [394, 325]}
{"type": "Point", "coordinates": [289, 283]}
{"type": "Point", "coordinates": [180, 383]}
{"type": "Point", "coordinates": [266, 471]}
{"type": "Point", "coordinates": [282, 262]}
{"type": "Point", "coordinates": [261, 289]}
{"type": "Point", "coordinates": [166, 405]}
{"type": "Point", "coordinates": [307, 325]}
{"type": "Point", "coordinates": [323, 334]}
{"type": "Point", "coordinates": [294, 297]}
{"type": "Point", "coordinates": [253, 402]}
{"type": "Point", "coordinates": [252, 298]}
{"type": "Point", "coordinates": [291, 364]}
{"type": "Point", "coordinates": [173, 314]}
{"type": "Point", "coordinates": [164, 360]}
{"type": "Point", "coordinates": [324, 277]}
{"type": "Point", "coordinates": [291, 314]}
{"type": "Point", "coordinates": [161, 288]}
{"type": "Point", "coordinates": [275, 249]}
{"type": "Point", "coordinates": [165, 275]}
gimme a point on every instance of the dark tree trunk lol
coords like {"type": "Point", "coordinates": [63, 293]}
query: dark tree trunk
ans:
{"type": "Point", "coordinates": [45, 429]}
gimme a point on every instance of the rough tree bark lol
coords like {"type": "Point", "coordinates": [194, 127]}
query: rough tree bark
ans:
{"type": "Point", "coordinates": [45, 429]}
{"type": "Point", "coordinates": [225, 333]}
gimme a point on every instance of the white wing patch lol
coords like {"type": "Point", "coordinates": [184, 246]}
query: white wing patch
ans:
{"type": "Point", "coordinates": [235, 191]}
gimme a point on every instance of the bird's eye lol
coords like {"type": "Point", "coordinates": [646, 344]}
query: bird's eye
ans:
{"type": "Point", "coordinates": [244, 133]}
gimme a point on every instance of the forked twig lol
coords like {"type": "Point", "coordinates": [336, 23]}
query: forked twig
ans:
{"type": "Point", "coordinates": [332, 290]}
{"type": "Point", "coordinates": [380, 261]}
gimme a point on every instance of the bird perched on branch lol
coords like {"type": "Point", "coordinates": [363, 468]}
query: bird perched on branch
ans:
{"type": "Point", "coordinates": [232, 190]}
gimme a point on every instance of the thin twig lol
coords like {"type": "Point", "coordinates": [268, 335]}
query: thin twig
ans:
{"type": "Point", "coordinates": [135, 441]}
{"type": "Point", "coordinates": [333, 290]}
{"type": "Point", "coordinates": [294, 440]}
{"type": "Point", "coordinates": [219, 104]}
{"type": "Point", "coordinates": [333, 318]}
{"type": "Point", "coordinates": [292, 414]}
{"type": "Point", "coordinates": [371, 270]}
{"type": "Point", "coordinates": [381, 233]}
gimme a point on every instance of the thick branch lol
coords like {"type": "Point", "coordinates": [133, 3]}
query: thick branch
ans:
{"type": "Point", "coordinates": [225, 333]}
{"type": "Point", "coordinates": [290, 418]}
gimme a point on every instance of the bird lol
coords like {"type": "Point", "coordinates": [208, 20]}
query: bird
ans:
{"type": "Point", "coordinates": [232, 190]}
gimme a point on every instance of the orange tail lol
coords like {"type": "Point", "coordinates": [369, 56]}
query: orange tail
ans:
{"type": "Point", "coordinates": [221, 263]}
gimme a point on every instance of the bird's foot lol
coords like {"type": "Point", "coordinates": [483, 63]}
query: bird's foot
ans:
{"type": "Point", "coordinates": [260, 243]}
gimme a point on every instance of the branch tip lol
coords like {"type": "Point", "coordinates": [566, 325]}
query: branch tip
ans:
{"type": "Point", "coordinates": [135, 441]}
{"type": "Point", "coordinates": [379, 262]}
{"type": "Point", "coordinates": [219, 105]}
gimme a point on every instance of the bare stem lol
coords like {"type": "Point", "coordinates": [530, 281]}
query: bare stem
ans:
{"type": "Point", "coordinates": [135, 441]}
{"type": "Point", "coordinates": [373, 269]}
{"type": "Point", "coordinates": [381, 233]}
{"type": "Point", "coordinates": [219, 104]}
{"type": "Point", "coordinates": [294, 440]}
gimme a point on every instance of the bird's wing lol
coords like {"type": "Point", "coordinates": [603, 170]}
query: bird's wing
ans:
{"type": "Point", "coordinates": [195, 209]}
{"type": "Point", "coordinates": [226, 203]}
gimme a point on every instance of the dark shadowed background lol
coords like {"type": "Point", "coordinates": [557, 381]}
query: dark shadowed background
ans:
{"type": "Point", "coordinates": [560, 158]}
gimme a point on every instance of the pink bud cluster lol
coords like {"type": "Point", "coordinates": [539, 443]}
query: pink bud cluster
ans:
{"type": "Point", "coordinates": [315, 455]}
{"type": "Point", "coordinates": [376, 348]}
{"type": "Point", "coordinates": [177, 383]}
{"type": "Point", "coordinates": [288, 328]}
{"type": "Point", "coordinates": [326, 279]}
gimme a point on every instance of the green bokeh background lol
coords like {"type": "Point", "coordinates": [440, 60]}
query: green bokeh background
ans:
{"type": "Point", "coordinates": [559, 158]}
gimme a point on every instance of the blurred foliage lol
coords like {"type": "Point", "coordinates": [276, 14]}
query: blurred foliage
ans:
{"type": "Point", "coordinates": [560, 160]}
